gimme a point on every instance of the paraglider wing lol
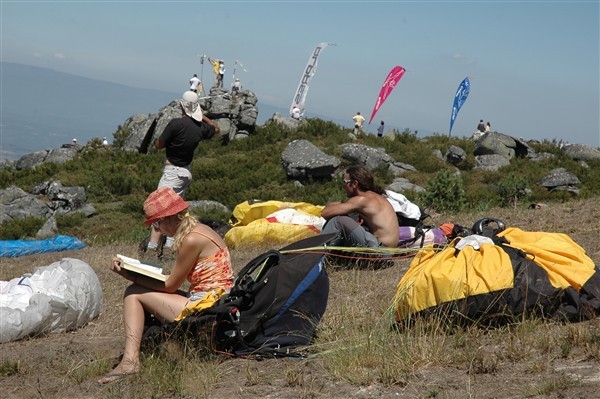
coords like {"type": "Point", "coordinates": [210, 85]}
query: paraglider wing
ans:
{"type": "Point", "coordinates": [388, 85]}
{"type": "Point", "coordinates": [459, 99]}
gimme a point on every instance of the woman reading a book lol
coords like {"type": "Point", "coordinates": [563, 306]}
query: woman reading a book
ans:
{"type": "Point", "coordinates": [202, 258]}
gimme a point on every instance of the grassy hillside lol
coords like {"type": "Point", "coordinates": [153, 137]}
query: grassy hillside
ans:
{"type": "Point", "coordinates": [117, 182]}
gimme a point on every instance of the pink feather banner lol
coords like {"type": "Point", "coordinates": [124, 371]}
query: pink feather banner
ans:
{"type": "Point", "coordinates": [388, 85]}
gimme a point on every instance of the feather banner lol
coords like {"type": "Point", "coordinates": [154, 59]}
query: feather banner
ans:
{"type": "Point", "coordinates": [459, 99]}
{"type": "Point", "coordinates": [388, 85]}
{"type": "Point", "coordinates": [309, 72]}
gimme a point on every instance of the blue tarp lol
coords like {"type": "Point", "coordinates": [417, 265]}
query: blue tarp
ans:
{"type": "Point", "coordinates": [15, 248]}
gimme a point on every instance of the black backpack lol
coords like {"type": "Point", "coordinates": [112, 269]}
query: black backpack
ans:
{"type": "Point", "coordinates": [274, 307]}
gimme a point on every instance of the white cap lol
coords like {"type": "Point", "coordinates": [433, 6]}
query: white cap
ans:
{"type": "Point", "coordinates": [189, 102]}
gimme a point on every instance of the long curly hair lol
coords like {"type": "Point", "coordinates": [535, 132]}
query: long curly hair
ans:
{"type": "Point", "coordinates": [365, 179]}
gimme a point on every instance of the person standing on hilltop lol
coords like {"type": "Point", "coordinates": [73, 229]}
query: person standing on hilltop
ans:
{"type": "Point", "coordinates": [488, 127]}
{"type": "Point", "coordinates": [180, 139]}
{"type": "Point", "coordinates": [358, 122]}
{"type": "Point", "coordinates": [195, 84]}
{"type": "Point", "coordinates": [215, 64]}
{"type": "Point", "coordinates": [221, 74]}
{"type": "Point", "coordinates": [380, 129]}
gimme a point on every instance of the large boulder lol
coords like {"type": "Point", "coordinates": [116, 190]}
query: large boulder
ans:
{"type": "Point", "coordinates": [580, 152]}
{"type": "Point", "coordinates": [56, 155]}
{"type": "Point", "coordinates": [369, 157]}
{"type": "Point", "coordinates": [490, 162]}
{"type": "Point", "coordinates": [503, 145]}
{"type": "Point", "coordinates": [560, 179]}
{"type": "Point", "coordinates": [230, 112]}
{"type": "Point", "coordinates": [302, 160]}
{"type": "Point", "coordinates": [17, 204]}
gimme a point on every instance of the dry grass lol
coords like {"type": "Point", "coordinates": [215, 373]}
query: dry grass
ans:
{"type": "Point", "coordinates": [356, 353]}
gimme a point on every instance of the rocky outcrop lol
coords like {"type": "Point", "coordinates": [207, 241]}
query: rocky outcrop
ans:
{"type": "Point", "coordinates": [580, 152]}
{"type": "Point", "coordinates": [234, 114]}
{"type": "Point", "coordinates": [45, 201]}
{"type": "Point", "coordinates": [560, 179]}
{"type": "Point", "coordinates": [372, 158]}
{"type": "Point", "coordinates": [57, 155]}
{"type": "Point", "coordinates": [303, 160]}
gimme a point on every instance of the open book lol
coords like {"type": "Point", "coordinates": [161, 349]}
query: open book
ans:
{"type": "Point", "coordinates": [135, 266]}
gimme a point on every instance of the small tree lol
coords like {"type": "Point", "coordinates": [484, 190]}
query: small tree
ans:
{"type": "Point", "coordinates": [512, 188]}
{"type": "Point", "coordinates": [445, 193]}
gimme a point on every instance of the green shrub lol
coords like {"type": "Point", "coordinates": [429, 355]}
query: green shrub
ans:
{"type": "Point", "coordinates": [512, 188]}
{"type": "Point", "coordinates": [19, 229]}
{"type": "Point", "coordinates": [444, 193]}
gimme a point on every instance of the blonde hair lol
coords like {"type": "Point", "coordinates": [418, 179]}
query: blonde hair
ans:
{"type": "Point", "coordinates": [188, 223]}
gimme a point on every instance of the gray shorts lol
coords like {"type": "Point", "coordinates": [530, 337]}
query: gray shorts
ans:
{"type": "Point", "coordinates": [176, 177]}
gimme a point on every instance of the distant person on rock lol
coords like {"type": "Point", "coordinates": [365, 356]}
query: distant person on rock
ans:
{"type": "Point", "coordinates": [488, 127]}
{"type": "Point", "coordinates": [296, 112]}
{"type": "Point", "coordinates": [380, 129]}
{"type": "Point", "coordinates": [236, 86]}
{"type": "Point", "coordinates": [215, 64]}
{"type": "Point", "coordinates": [195, 84]}
{"type": "Point", "coordinates": [377, 223]}
{"type": "Point", "coordinates": [180, 139]}
{"type": "Point", "coordinates": [481, 126]}
{"type": "Point", "coordinates": [221, 73]}
{"type": "Point", "coordinates": [104, 141]}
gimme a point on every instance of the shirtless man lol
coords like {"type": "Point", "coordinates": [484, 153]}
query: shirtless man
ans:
{"type": "Point", "coordinates": [375, 211]}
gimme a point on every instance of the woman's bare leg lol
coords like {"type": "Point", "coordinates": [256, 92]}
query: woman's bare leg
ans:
{"type": "Point", "coordinates": [136, 302]}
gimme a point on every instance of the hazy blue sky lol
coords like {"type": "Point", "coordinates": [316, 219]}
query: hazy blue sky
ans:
{"type": "Point", "coordinates": [533, 65]}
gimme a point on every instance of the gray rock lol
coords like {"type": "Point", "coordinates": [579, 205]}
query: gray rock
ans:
{"type": "Point", "coordinates": [207, 205]}
{"type": "Point", "coordinates": [401, 185]}
{"type": "Point", "coordinates": [57, 155]}
{"type": "Point", "coordinates": [399, 168]}
{"type": "Point", "coordinates": [301, 160]}
{"type": "Point", "coordinates": [455, 155]}
{"type": "Point", "coordinates": [438, 154]}
{"type": "Point", "coordinates": [364, 155]}
{"type": "Point", "coordinates": [285, 121]}
{"type": "Point", "coordinates": [490, 162]}
{"type": "Point", "coordinates": [559, 177]}
{"type": "Point", "coordinates": [229, 112]}
{"type": "Point", "coordinates": [580, 152]}
{"type": "Point", "coordinates": [48, 230]}
{"type": "Point", "coordinates": [496, 144]}
{"type": "Point", "coordinates": [17, 204]}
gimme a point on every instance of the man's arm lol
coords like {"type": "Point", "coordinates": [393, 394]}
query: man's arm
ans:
{"type": "Point", "coordinates": [208, 121]}
{"type": "Point", "coordinates": [353, 204]}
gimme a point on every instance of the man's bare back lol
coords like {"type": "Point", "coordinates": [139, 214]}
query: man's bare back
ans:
{"type": "Point", "coordinates": [376, 212]}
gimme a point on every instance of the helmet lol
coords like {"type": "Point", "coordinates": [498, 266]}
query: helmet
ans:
{"type": "Point", "coordinates": [482, 227]}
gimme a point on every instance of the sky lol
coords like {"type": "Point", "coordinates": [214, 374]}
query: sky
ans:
{"type": "Point", "coordinates": [534, 66]}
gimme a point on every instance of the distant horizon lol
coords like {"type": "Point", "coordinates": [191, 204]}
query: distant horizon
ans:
{"type": "Point", "coordinates": [54, 130]}
{"type": "Point", "coordinates": [22, 135]}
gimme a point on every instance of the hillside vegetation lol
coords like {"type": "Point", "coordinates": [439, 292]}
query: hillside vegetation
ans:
{"type": "Point", "coordinates": [117, 182]}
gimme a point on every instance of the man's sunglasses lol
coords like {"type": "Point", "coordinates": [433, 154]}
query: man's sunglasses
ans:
{"type": "Point", "coordinates": [344, 181]}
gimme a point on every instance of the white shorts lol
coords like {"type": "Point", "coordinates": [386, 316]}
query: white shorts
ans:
{"type": "Point", "coordinates": [176, 177]}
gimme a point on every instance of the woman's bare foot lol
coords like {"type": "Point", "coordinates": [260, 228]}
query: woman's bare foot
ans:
{"type": "Point", "coordinates": [123, 369]}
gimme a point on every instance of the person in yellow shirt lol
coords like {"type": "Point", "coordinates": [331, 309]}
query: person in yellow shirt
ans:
{"type": "Point", "coordinates": [358, 122]}
{"type": "Point", "coordinates": [216, 65]}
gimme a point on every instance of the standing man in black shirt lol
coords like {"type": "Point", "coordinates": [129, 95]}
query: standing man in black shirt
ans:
{"type": "Point", "coordinates": [180, 139]}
